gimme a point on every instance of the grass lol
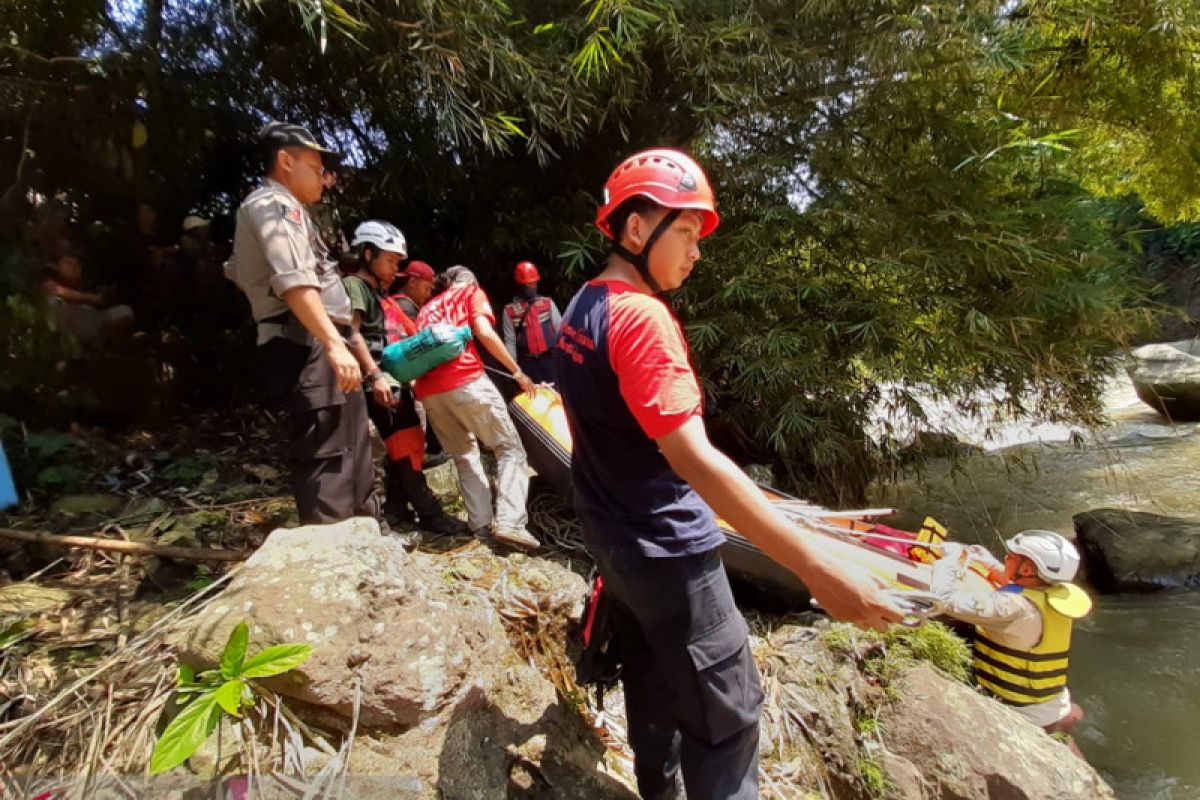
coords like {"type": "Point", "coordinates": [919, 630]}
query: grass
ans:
{"type": "Point", "coordinates": [874, 779]}
{"type": "Point", "coordinates": [887, 656]}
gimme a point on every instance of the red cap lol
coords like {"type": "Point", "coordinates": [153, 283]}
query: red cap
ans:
{"type": "Point", "coordinates": [526, 273]}
{"type": "Point", "coordinates": [419, 269]}
{"type": "Point", "coordinates": [668, 177]}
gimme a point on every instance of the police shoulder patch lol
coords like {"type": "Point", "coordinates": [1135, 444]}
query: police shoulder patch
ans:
{"type": "Point", "coordinates": [291, 214]}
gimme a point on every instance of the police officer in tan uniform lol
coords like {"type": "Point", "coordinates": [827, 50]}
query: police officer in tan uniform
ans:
{"type": "Point", "coordinates": [304, 315]}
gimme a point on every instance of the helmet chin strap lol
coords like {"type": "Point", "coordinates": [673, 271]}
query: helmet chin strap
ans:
{"type": "Point", "coordinates": [641, 261]}
{"type": "Point", "coordinates": [371, 270]}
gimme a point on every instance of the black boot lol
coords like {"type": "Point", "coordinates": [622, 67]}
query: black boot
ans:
{"type": "Point", "coordinates": [430, 516]}
{"type": "Point", "coordinates": [442, 524]}
{"type": "Point", "coordinates": [395, 504]}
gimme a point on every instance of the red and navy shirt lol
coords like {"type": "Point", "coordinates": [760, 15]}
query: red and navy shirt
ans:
{"type": "Point", "coordinates": [626, 381]}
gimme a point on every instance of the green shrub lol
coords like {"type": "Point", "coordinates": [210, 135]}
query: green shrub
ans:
{"type": "Point", "coordinates": [225, 689]}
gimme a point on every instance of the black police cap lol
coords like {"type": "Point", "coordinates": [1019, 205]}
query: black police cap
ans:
{"type": "Point", "coordinates": [276, 135]}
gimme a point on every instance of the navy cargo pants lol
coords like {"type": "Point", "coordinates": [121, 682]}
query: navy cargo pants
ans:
{"type": "Point", "coordinates": [692, 693]}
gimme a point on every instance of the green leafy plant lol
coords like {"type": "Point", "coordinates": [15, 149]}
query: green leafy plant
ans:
{"type": "Point", "coordinates": [202, 579]}
{"type": "Point", "coordinates": [47, 444]}
{"type": "Point", "coordinates": [225, 689]}
{"type": "Point", "coordinates": [190, 469]}
{"type": "Point", "coordinates": [873, 777]}
{"type": "Point", "coordinates": [59, 477]}
{"type": "Point", "coordinates": [888, 655]}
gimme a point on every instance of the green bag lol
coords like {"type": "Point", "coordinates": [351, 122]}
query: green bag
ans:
{"type": "Point", "coordinates": [430, 347]}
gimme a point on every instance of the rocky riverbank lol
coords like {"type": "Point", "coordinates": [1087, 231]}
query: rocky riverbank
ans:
{"type": "Point", "coordinates": [440, 672]}
{"type": "Point", "coordinates": [445, 672]}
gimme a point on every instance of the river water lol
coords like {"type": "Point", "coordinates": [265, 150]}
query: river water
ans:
{"type": "Point", "coordinates": [1135, 665]}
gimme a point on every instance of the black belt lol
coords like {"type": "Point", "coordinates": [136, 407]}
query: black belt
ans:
{"type": "Point", "coordinates": [293, 330]}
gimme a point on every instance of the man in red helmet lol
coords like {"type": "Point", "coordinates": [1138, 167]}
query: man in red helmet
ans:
{"type": "Point", "coordinates": [647, 481]}
{"type": "Point", "coordinates": [530, 326]}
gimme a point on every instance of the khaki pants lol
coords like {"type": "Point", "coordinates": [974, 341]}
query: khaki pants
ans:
{"type": "Point", "coordinates": [474, 415]}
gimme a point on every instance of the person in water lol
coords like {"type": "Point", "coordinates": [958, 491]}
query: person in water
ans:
{"type": "Point", "coordinates": [1023, 630]}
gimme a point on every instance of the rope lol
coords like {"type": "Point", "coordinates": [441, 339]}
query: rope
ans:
{"type": "Point", "coordinates": [503, 372]}
{"type": "Point", "coordinates": [555, 523]}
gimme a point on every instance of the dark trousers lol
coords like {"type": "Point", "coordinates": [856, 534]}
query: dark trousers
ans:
{"type": "Point", "coordinates": [539, 368]}
{"type": "Point", "coordinates": [405, 481]}
{"type": "Point", "coordinates": [332, 474]}
{"type": "Point", "coordinates": [692, 693]}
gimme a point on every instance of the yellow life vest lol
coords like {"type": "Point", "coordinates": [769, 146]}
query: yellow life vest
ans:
{"type": "Point", "coordinates": [1027, 677]}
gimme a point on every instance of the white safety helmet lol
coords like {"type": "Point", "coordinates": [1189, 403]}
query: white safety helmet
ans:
{"type": "Point", "coordinates": [384, 235]}
{"type": "Point", "coordinates": [1056, 558]}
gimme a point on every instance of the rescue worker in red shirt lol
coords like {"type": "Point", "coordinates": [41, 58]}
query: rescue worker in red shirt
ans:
{"type": "Point", "coordinates": [530, 326]}
{"type": "Point", "coordinates": [647, 482]}
{"type": "Point", "coordinates": [415, 291]}
{"type": "Point", "coordinates": [400, 311]}
{"type": "Point", "coordinates": [467, 411]}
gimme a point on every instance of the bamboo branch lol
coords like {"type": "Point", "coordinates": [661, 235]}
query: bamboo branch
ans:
{"type": "Point", "coordinates": [15, 189]}
{"type": "Point", "coordinates": [135, 548]}
{"type": "Point", "coordinates": [50, 60]}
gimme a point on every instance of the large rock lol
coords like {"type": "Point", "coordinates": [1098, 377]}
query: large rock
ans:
{"type": "Point", "coordinates": [809, 721]}
{"type": "Point", "coordinates": [967, 747]}
{"type": "Point", "coordinates": [443, 480]}
{"type": "Point", "coordinates": [1133, 551]}
{"type": "Point", "coordinates": [344, 590]}
{"type": "Point", "coordinates": [1167, 377]}
{"type": "Point", "coordinates": [449, 708]}
{"type": "Point", "coordinates": [937, 444]}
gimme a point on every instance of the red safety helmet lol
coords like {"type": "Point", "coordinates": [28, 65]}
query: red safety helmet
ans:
{"type": "Point", "coordinates": [668, 177]}
{"type": "Point", "coordinates": [526, 273]}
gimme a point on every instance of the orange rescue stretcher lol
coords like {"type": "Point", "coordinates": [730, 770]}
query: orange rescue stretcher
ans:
{"type": "Point", "coordinates": [902, 559]}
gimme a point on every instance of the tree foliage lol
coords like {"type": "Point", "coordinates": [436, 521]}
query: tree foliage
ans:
{"type": "Point", "coordinates": [911, 192]}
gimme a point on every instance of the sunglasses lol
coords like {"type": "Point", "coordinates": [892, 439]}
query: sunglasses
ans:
{"type": "Point", "coordinates": [317, 169]}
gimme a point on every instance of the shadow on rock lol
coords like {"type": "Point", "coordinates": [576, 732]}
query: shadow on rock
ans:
{"type": "Point", "coordinates": [498, 745]}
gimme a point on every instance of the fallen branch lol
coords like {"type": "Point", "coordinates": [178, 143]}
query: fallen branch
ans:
{"type": "Point", "coordinates": [134, 548]}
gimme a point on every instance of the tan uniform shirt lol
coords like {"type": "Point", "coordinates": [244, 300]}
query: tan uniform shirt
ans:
{"type": "Point", "coordinates": [276, 248]}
